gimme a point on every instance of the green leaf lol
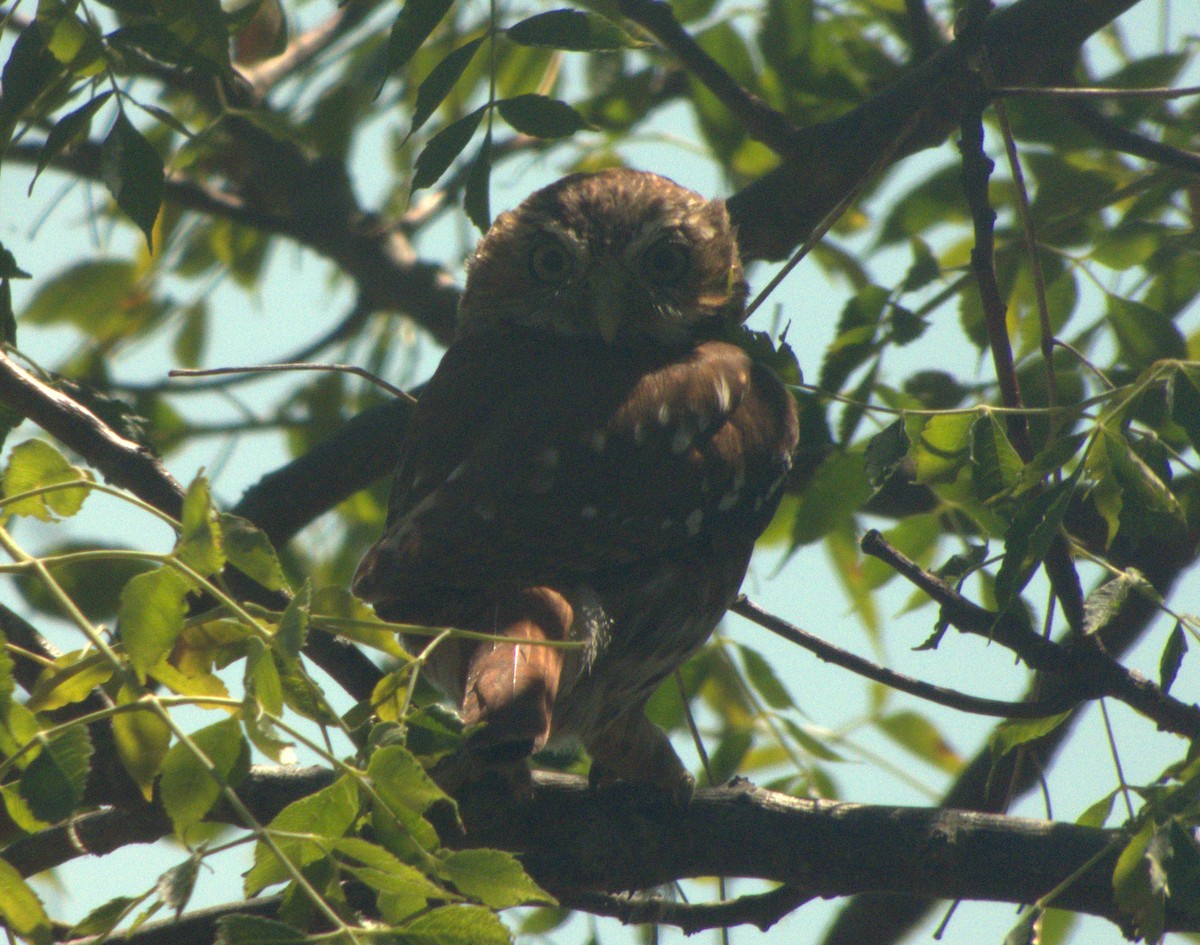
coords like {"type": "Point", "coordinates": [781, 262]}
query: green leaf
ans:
{"type": "Point", "coordinates": [153, 606]}
{"type": "Point", "coordinates": [174, 887]}
{"type": "Point", "coordinates": [142, 739]}
{"type": "Point", "coordinates": [1105, 601]}
{"type": "Point", "coordinates": [199, 26]}
{"type": "Point", "coordinates": [323, 815]}
{"type": "Point", "coordinates": [255, 930]}
{"type": "Point", "coordinates": [35, 464]}
{"type": "Point", "coordinates": [762, 677]}
{"type": "Point", "coordinates": [1172, 657]}
{"type": "Point", "coordinates": [21, 908]}
{"type": "Point", "coordinates": [69, 679]}
{"type": "Point", "coordinates": [103, 919]}
{"type": "Point", "coordinates": [917, 734]}
{"type": "Point", "coordinates": [188, 789]}
{"type": "Point", "coordinates": [494, 878]}
{"type": "Point", "coordinates": [86, 295]}
{"type": "Point", "coordinates": [413, 25]}
{"type": "Point", "coordinates": [476, 197]}
{"type": "Point", "coordinates": [31, 69]}
{"type": "Point", "coordinates": [458, 925]}
{"type": "Point", "coordinates": [886, 450]}
{"type": "Point", "coordinates": [441, 150]}
{"type": "Point", "coordinates": [7, 683]}
{"type": "Point", "coordinates": [401, 781]}
{"type": "Point", "coordinates": [200, 546]}
{"type": "Point", "coordinates": [1029, 536]}
{"type": "Point", "coordinates": [572, 30]}
{"type": "Point", "coordinates": [440, 81]}
{"type": "Point", "coordinates": [1011, 734]}
{"type": "Point", "coordinates": [837, 490]}
{"type": "Point", "coordinates": [292, 633]}
{"type": "Point", "coordinates": [943, 447]}
{"type": "Point", "coordinates": [1144, 335]}
{"type": "Point", "coordinates": [541, 116]}
{"type": "Point", "coordinates": [250, 551]}
{"type": "Point", "coordinates": [188, 346]}
{"type": "Point", "coordinates": [133, 173]}
{"type": "Point", "coordinates": [53, 783]}
{"type": "Point", "coordinates": [68, 131]}
{"type": "Point", "coordinates": [381, 870]}
{"type": "Point", "coordinates": [1097, 814]}
{"type": "Point", "coordinates": [1185, 401]}
{"type": "Point", "coordinates": [1140, 881]}
{"type": "Point", "coordinates": [995, 465]}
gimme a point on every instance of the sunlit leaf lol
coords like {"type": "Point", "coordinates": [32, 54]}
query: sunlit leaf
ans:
{"type": "Point", "coordinates": [200, 545]}
{"type": "Point", "coordinates": [250, 551]}
{"type": "Point", "coordinates": [494, 878]}
{"type": "Point", "coordinates": [459, 925]}
{"type": "Point", "coordinates": [21, 908]}
{"type": "Point", "coordinates": [142, 739]}
{"type": "Point", "coordinates": [188, 788]}
{"type": "Point", "coordinates": [151, 615]}
{"type": "Point", "coordinates": [36, 464]}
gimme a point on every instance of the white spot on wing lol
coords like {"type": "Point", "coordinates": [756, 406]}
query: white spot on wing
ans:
{"type": "Point", "coordinates": [589, 512]}
{"type": "Point", "coordinates": [457, 473]}
{"type": "Point", "coordinates": [664, 414]}
{"type": "Point", "coordinates": [721, 386]}
{"type": "Point", "coordinates": [639, 433]}
{"type": "Point", "coordinates": [598, 441]}
{"type": "Point", "coordinates": [485, 510]}
{"type": "Point", "coordinates": [681, 440]}
{"type": "Point", "coordinates": [729, 500]}
{"type": "Point", "coordinates": [693, 522]}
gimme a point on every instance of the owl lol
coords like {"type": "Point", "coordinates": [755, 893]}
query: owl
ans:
{"type": "Point", "coordinates": [589, 463]}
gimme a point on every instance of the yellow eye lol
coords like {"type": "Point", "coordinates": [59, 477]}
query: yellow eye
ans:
{"type": "Point", "coordinates": [549, 262]}
{"type": "Point", "coordinates": [667, 261]}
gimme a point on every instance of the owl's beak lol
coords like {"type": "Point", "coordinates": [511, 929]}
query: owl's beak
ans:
{"type": "Point", "coordinates": [608, 287]}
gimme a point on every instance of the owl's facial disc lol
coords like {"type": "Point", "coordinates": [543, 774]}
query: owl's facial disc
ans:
{"type": "Point", "coordinates": [618, 255]}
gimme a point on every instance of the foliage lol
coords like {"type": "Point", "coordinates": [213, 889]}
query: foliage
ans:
{"type": "Point", "coordinates": [213, 161]}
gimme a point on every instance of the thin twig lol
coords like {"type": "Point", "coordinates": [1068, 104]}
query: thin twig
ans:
{"type": "Point", "coordinates": [939, 695]}
{"type": "Point", "coordinates": [269, 368]}
{"type": "Point", "coordinates": [1108, 132]}
{"type": "Point", "coordinates": [1071, 91]}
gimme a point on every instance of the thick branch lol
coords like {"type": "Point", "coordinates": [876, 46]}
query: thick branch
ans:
{"type": "Point", "coordinates": [575, 840]}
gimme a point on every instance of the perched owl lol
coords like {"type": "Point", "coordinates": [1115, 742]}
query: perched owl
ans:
{"type": "Point", "coordinates": [588, 463]}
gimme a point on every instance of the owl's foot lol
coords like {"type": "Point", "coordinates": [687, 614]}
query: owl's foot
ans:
{"type": "Point", "coordinates": [634, 749]}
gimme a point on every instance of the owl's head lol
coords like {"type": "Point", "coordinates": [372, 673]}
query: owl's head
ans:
{"type": "Point", "coordinates": [621, 255]}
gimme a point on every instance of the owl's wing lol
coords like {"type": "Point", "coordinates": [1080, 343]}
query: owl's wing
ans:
{"type": "Point", "coordinates": [535, 458]}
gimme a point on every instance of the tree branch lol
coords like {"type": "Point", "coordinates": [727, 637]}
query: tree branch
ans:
{"type": "Point", "coordinates": [575, 841]}
{"type": "Point", "coordinates": [1087, 669]}
{"type": "Point", "coordinates": [1035, 709]}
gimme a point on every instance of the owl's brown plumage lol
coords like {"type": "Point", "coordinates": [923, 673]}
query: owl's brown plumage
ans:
{"type": "Point", "coordinates": [588, 462]}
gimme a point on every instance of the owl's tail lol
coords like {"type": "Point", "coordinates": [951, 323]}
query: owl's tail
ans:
{"type": "Point", "coordinates": [511, 686]}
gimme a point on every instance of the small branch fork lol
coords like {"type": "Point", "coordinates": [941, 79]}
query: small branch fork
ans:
{"type": "Point", "coordinates": [1091, 672]}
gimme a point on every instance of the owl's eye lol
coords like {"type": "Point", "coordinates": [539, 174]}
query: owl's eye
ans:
{"type": "Point", "coordinates": [666, 262]}
{"type": "Point", "coordinates": [549, 262]}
